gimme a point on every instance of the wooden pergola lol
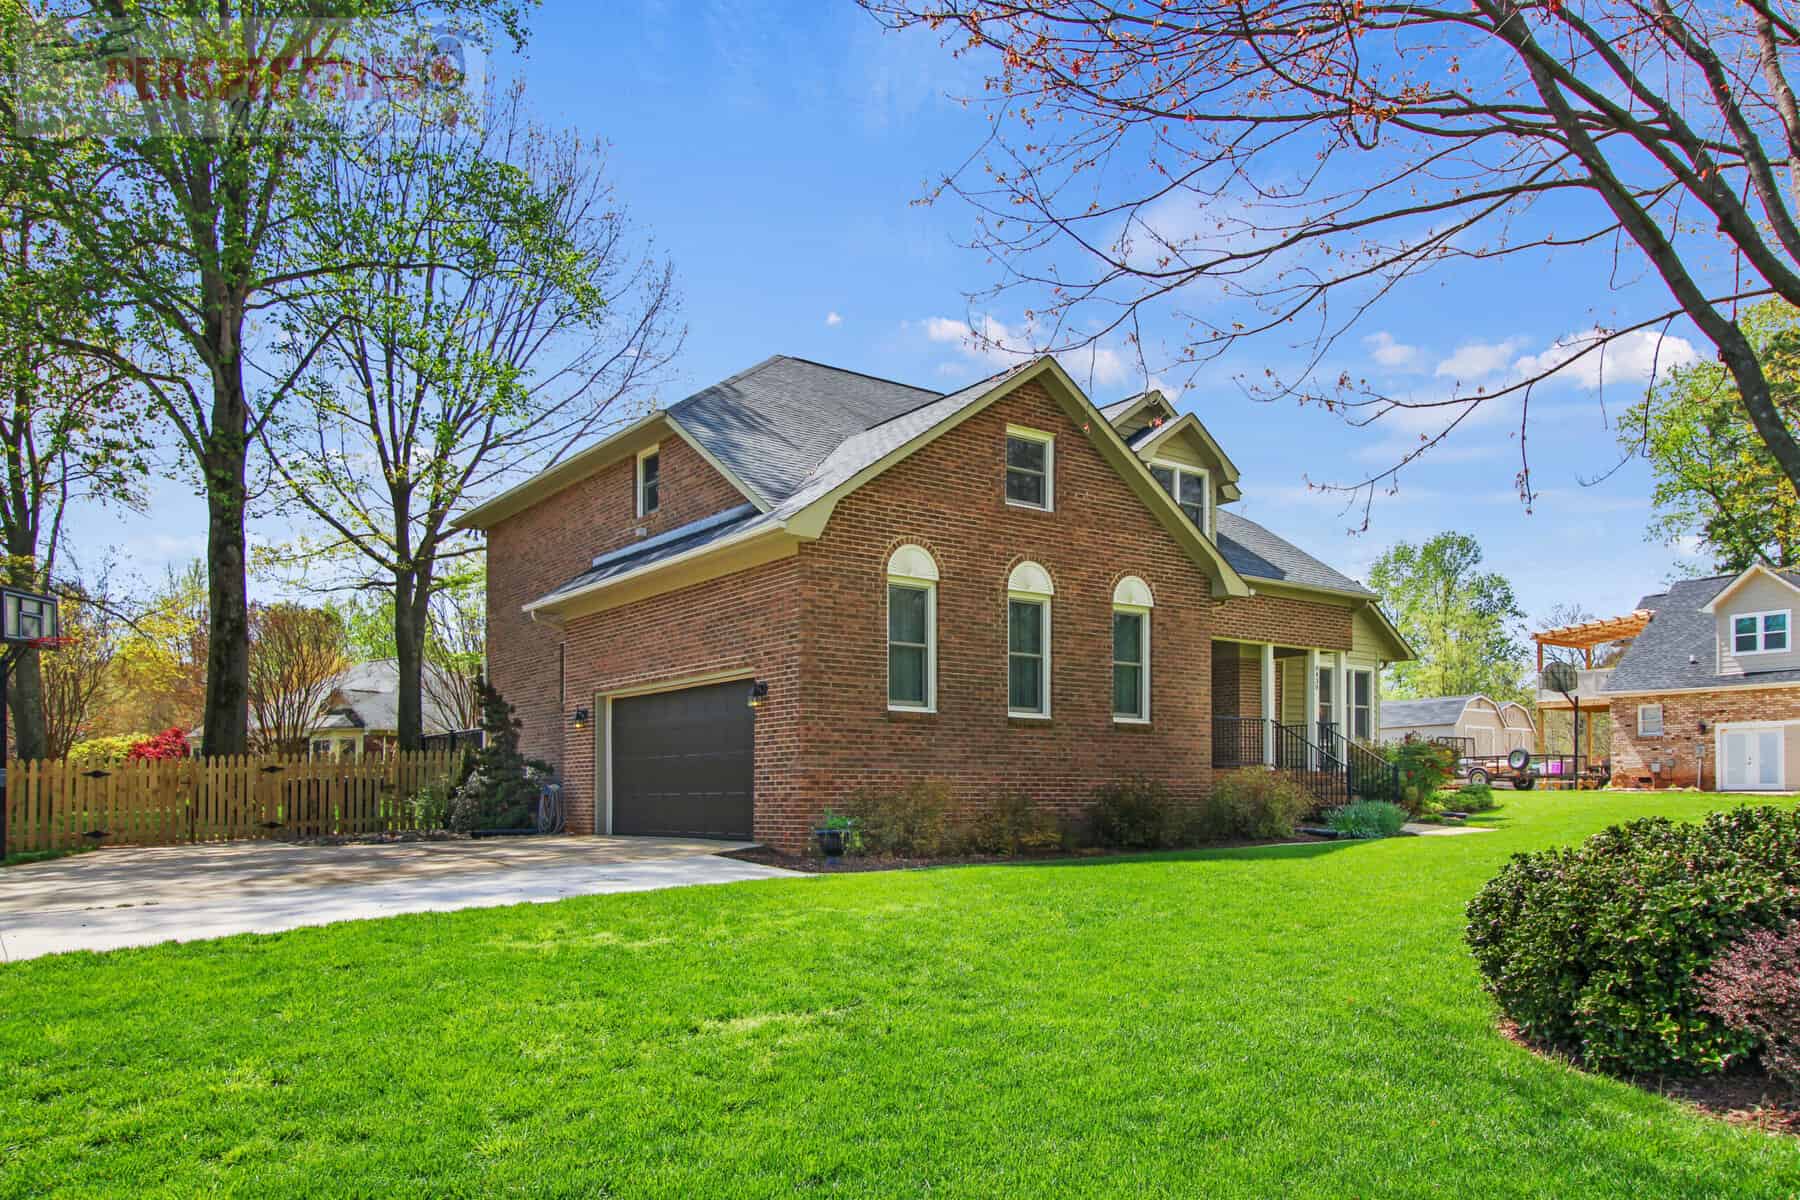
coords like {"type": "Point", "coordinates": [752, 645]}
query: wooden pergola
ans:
{"type": "Point", "coordinates": [1584, 637]}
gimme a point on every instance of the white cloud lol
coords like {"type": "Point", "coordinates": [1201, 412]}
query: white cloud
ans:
{"type": "Point", "coordinates": [1389, 352]}
{"type": "Point", "coordinates": [996, 345]}
{"type": "Point", "coordinates": [832, 319]}
{"type": "Point", "coordinates": [1477, 360]}
{"type": "Point", "coordinates": [1634, 357]}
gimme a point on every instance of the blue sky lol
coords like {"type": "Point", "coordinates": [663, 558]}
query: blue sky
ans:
{"type": "Point", "coordinates": [777, 151]}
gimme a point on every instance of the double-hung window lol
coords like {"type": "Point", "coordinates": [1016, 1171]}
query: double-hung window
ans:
{"type": "Point", "coordinates": [1030, 468]}
{"type": "Point", "coordinates": [912, 578]}
{"type": "Point", "coordinates": [649, 481]}
{"type": "Point", "coordinates": [1028, 594]}
{"type": "Point", "coordinates": [1362, 705]}
{"type": "Point", "coordinates": [1759, 633]}
{"type": "Point", "coordinates": [1650, 720]}
{"type": "Point", "coordinates": [1131, 650]}
{"type": "Point", "coordinates": [1191, 488]}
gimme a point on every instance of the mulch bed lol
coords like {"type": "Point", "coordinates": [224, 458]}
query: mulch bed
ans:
{"type": "Point", "coordinates": [813, 864]}
{"type": "Point", "coordinates": [1746, 1095]}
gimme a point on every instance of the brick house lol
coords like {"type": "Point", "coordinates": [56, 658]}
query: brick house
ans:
{"type": "Point", "coordinates": [1702, 684]}
{"type": "Point", "coordinates": [803, 580]}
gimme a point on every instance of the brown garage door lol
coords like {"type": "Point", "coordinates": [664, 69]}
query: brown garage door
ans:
{"type": "Point", "coordinates": [683, 762]}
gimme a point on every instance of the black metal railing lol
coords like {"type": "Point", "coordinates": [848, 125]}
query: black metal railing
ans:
{"type": "Point", "coordinates": [1237, 742]}
{"type": "Point", "coordinates": [1368, 775]}
{"type": "Point", "coordinates": [1334, 769]}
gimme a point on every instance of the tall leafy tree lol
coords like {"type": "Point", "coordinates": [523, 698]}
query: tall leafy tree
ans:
{"type": "Point", "coordinates": [541, 318]}
{"type": "Point", "coordinates": [1464, 622]}
{"type": "Point", "coordinates": [1717, 484]}
{"type": "Point", "coordinates": [193, 215]}
{"type": "Point", "coordinates": [297, 655]}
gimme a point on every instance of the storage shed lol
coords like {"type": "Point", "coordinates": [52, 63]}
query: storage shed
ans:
{"type": "Point", "coordinates": [1485, 726]}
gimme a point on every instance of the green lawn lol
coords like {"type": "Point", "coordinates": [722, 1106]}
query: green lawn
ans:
{"type": "Point", "coordinates": [1285, 1022]}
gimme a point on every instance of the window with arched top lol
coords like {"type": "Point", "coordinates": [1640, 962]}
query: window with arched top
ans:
{"type": "Point", "coordinates": [1132, 602]}
{"type": "Point", "coordinates": [912, 579]}
{"type": "Point", "coordinates": [1028, 594]}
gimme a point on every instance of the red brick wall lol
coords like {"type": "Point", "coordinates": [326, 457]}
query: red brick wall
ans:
{"type": "Point", "coordinates": [1678, 749]}
{"type": "Point", "coordinates": [1284, 620]}
{"type": "Point", "coordinates": [556, 539]}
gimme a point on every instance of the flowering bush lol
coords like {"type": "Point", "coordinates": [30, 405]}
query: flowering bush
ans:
{"type": "Point", "coordinates": [167, 746]}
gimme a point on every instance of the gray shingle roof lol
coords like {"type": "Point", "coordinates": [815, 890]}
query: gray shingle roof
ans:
{"type": "Point", "coordinates": [1255, 553]}
{"type": "Point", "coordinates": [1430, 710]}
{"type": "Point", "coordinates": [679, 540]}
{"type": "Point", "coordinates": [775, 423]}
{"type": "Point", "coordinates": [1659, 659]}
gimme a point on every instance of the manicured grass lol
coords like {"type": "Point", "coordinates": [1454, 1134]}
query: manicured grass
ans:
{"type": "Point", "coordinates": [1279, 1022]}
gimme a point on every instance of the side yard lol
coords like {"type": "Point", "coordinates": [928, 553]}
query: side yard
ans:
{"type": "Point", "coordinates": [1298, 1020]}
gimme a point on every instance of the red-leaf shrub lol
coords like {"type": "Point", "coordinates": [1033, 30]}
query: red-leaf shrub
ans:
{"type": "Point", "coordinates": [170, 744]}
{"type": "Point", "coordinates": [1755, 989]}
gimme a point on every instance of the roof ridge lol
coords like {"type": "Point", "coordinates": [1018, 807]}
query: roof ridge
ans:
{"type": "Point", "coordinates": [813, 362]}
{"type": "Point", "coordinates": [928, 403]}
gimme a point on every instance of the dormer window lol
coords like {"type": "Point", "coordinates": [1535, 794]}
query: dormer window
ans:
{"type": "Point", "coordinates": [649, 481]}
{"type": "Point", "coordinates": [1191, 488]}
{"type": "Point", "coordinates": [1759, 633]}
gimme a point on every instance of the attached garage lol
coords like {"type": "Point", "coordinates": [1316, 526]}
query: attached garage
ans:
{"type": "Point", "coordinates": [683, 762]}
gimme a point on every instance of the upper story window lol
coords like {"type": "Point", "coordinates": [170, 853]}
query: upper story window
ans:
{"type": "Point", "coordinates": [1131, 650]}
{"type": "Point", "coordinates": [1191, 488]}
{"type": "Point", "coordinates": [1028, 593]}
{"type": "Point", "coordinates": [1759, 633]}
{"type": "Point", "coordinates": [649, 479]}
{"type": "Point", "coordinates": [912, 577]}
{"type": "Point", "coordinates": [1030, 468]}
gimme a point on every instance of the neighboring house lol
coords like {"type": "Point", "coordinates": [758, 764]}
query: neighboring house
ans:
{"type": "Point", "coordinates": [803, 581]}
{"type": "Point", "coordinates": [361, 716]}
{"type": "Point", "coordinates": [1482, 726]}
{"type": "Point", "coordinates": [1707, 689]}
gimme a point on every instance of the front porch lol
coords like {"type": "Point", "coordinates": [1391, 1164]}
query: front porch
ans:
{"type": "Point", "coordinates": [1305, 711]}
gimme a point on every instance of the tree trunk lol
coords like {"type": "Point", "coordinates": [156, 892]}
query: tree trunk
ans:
{"type": "Point", "coordinates": [226, 720]}
{"type": "Point", "coordinates": [25, 697]}
{"type": "Point", "coordinates": [412, 623]}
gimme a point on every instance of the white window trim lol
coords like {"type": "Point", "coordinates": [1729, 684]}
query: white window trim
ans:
{"type": "Point", "coordinates": [929, 587]}
{"type": "Point", "coordinates": [1658, 731]}
{"type": "Point", "coordinates": [1043, 603]}
{"type": "Point", "coordinates": [1762, 634]}
{"type": "Point", "coordinates": [1207, 506]}
{"type": "Point", "coordinates": [1351, 670]}
{"type": "Point", "coordinates": [647, 452]}
{"type": "Point", "coordinates": [1024, 433]}
{"type": "Point", "coordinates": [1143, 673]}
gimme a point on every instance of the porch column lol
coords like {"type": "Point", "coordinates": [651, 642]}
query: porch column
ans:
{"type": "Point", "coordinates": [1340, 693]}
{"type": "Point", "coordinates": [1268, 703]}
{"type": "Point", "coordinates": [1310, 720]}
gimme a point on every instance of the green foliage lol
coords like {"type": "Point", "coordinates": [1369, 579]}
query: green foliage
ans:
{"type": "Point", "coordinates": [1472, 798]}
{"type": "Point", "coordinates": [1464, 622]}
{"type": "Point", "coordinates": [907, 823]}
{"type": "Point", "coordinates": [1424, 768]}
{"type": "Point", "coordinates": [431, 805]}
{"type": "Point", "coordinates": [503, 789]}
{"type": "Point", "coordinates": [104, 751]}
{"type": "Point", "coordinates": [1012, 823]}
{"type": "Point", "coordinates": [1254, 803]}
{"type": "Point", "coordinates": [1366, 819]}
{"type": "Point", "coordinates": [1597, 949]}
{"type": "Point", "coordinates": [1134, 813]}
{"type": "Point", "coordinates": [1716, 480]}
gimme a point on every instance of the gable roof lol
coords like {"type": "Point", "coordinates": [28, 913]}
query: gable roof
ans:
{"type": "Point", "coordinates": [864, 454]}
{"type": "Point", "coordinates": [1753, 571]}
{"type": "Point", "coordinates": [1430, 710]}
{"type": "Point", "coordinates": [1255, 553]}
{"type": "Point", "coordinates": [1678, 650]}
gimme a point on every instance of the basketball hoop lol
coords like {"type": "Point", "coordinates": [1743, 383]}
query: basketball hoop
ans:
{"type": "Point", "coordinates": [50, 643]}
{"type": "Point", "coordinates": [28, 620]}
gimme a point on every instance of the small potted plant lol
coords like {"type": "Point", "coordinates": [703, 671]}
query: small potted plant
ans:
{"type": "Point", "coordinates": [837, 836]}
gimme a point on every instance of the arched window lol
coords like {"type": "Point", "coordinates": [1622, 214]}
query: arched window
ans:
{"type": "Point", "coordinates": [1028, 593]}
{"type": "Point", "coordinates": [912, 578]}
{"type": "Point", "coordinates": [1132, 603]}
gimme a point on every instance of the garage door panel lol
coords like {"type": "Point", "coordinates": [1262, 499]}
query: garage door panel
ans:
{"type": "Point", "coordinates": [683, 762]}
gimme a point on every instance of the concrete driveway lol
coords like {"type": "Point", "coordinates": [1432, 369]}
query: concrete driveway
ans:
{"type": "Point", "coordinates": [110, 898]}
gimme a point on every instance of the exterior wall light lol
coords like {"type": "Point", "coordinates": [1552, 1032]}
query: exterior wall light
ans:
{"type": "Point", "coordinates": [759, 693]}
{"type": "Point", "coordinates": [581, 720]}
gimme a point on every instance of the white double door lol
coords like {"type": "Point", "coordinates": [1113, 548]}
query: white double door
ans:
{"type": "Point", "coordinates": [1751, 759]}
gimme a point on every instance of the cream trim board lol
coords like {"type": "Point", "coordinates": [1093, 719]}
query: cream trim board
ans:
{"type": "Point", "coordinates": [783, 545]}
{"type": "Point", "coordinates": [1209, 503]}
{"type": "Point", "coordinates": [559, 476]}
{"type": "Point", "coordinates": [731, 477]}
{"type": "Point", "coordinates": [1143, 715]}
{"type": "Point", "coordinates": [1025, 433]}
{"type": "Point", "coordinates": [1792, 685]}
{"type": "Point", "coordinates": [929, 587]}
{"type": "Point", "coordinates": [654, 450]}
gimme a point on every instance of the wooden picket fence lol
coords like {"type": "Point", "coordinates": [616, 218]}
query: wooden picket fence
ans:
{"type": "Point", "coordinates": [56, 805]}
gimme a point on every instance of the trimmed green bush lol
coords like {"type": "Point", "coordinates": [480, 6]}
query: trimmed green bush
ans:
{"type": "Point", "coordinates": [908, 823]}
{"type": "Point", "coordinates": [1597, 949]}
{"type": "Point", "coordinates": [1011, 824]}
{"type": "Point", "coordinates": [1424, 768]}
{"type": "Point", "coordinates": [1472, 798]}
{"type": "Point", "coordinates": [1134, 813]}
{"type": "Point", "coordinates": [1253, 803]}
{"type": "Point", "coordinates": [1366, 819]}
